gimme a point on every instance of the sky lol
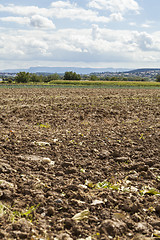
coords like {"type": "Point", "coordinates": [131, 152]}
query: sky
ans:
{"type": "Point", "coordinates": [84, 33]}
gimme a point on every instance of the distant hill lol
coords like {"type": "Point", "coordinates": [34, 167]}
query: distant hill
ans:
{"type": "Point", "coordinates": [140, 70]}
{"type": "Point", "coordinates": [78, 70]}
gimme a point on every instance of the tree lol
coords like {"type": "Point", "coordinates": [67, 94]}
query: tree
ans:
{"type": "Point", "coordinates": [35, 78]}
{"type": "Point", "coordinates": [158, 78]}
{"type": "Point", "coordinates": [9, 80]}
{"type": "Point", "coordinates": [22, 77]}
{"type": "Point", "coordinates": [94, 78]}
{"type": "Point", "coordinates": [52, 77]}
{"type": "Point", "coordinates": [72, 76]}
{"type": "Point", "coordinates": [85, 77]}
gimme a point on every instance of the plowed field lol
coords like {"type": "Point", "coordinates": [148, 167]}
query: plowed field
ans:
{"type": "Point", "coordinates": [79, 164]}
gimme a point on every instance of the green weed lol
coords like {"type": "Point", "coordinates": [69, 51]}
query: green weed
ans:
{"type": "Point", "coordinates": [1, 209]}
{"type": "Point", "coordinates": [142, 136]}
{"type": "Point", "coordinates": [104, 184]}
{"type": "Point", "coordinates": [106, 83]}
{"type": "Point", "coordinates": [150, 191]}
{"type": "Point", "coordinates": [43, 125]}
{"type": "Point", "coordinates": [27, 213]}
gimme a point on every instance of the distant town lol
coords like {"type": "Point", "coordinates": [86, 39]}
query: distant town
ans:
{"type": "Point", "coordinates": [148, 74]}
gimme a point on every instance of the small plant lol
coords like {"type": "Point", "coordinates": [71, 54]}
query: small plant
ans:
{"type": "Point", "coordinates": [82, 170]}
{"type": "Point", "coordinates": [43, 125]}
{"type": "Point", "coordinates": [1, 210]}
{"type": "Point", "coordinates": [158, 178]}
{"type": "Point", "coordinates": [28, 214]}
{"type": "Point", "coordinates": [150, 191]}
{"type": "Point", "coordinates": [142, 136]}
{"type": "Point", "coordinates": [104, 184]}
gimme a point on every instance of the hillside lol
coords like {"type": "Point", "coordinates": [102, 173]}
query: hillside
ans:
{"type": "Point", "coordinates": [78, 70]}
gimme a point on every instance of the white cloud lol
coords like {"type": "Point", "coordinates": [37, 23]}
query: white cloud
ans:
{"type": "Point", "coordinates": [145, 25]}
{"type": "Point", "coordinates": [41, 22]}
{"type": "Point", "coordinates": [23, 10]}
{"type": "Point", "coordinates": [95, 31]}
{"type": "Point", "coordinates": [19, 10]}
{"type": "Point", "coordinates": [62, 10]}
{"type": "Point", "coordinates": [19, 20]}
{"type": "Point", "coordinates": [115, 6]}
{"type": "Point", "coordinates": [91, 41]}
{"type": "Point", "coordinates": [144, 41]}
{"type": "Point", "coordinates": [133, 24]}
{"type": "Point", "coordinates": [117, 17]}
{"type": "Point", "coordinates": [62, 4]}
{"type": "Point", "coordinates": [94, 44]}
{"type": "Point", "coordinates": [34, 21]}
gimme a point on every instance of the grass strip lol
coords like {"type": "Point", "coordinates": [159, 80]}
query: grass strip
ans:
{"type": "Point", "coordinates": [106, 83]}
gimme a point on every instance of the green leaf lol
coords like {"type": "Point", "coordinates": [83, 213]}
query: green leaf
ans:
{"type": "Point", "coordinates": [151, 191]}
{"type": "Point", "coordinates": [1, 210]}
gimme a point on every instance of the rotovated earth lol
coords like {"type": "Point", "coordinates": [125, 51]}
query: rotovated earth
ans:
{"type": "Point", "coordinates": [79, 164]}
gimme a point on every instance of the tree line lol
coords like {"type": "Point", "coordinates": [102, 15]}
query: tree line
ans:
{"type": "Point", "coordinates": [26, 77]}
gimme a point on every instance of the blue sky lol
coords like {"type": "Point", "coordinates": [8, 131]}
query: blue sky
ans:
{"type": "Point", "coordinates": [85, 33]}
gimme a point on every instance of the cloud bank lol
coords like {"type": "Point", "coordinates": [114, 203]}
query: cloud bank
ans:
{"type": "Point", "coordinates": [38, 37]}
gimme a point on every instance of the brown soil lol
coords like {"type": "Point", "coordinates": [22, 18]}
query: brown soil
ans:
{"type": "Point", "coordinates": [95, 152]}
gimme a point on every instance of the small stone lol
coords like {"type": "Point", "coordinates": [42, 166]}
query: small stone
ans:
{"type": "Point", "coordinates": [142, 227]}
{"type": "Point", "coordinates": [115, 154]}
{"type": "Point", "coordinates": [133, 177]}
{"type": "Point", "coordinates": [42, 144]}
{"type": "Point", "coordinates": [64, 236]}
{"type": "Point", "coordinates": [7, 194]}
{"type": "Point", "coordinates": [46, 160]}
{"type": "Point", "coordinates": [119, 216]}
{"type": "Point", "coordinates": [142, 167]}
{"type": "Point", "coordinates": [1, 193]}
{"type": "Point", "coordinates": [122, 159]}
{"type": "Point", "coordinates": [50, 211]}
{"type": "Point", "coordinates": [76, 230]}
{"type": "Point", "coordinates": [69, 223]}
{"type": "Point", "coordinates": [136, 217]}
{"type": "Point", "coordinates": [104, 154]}
{"type": "Point", "coordinates": [72, 187]}
{"type": "Point", "coordinates": [134, 207]}
{"type": "Point", "coordinates": [97, 202]}
{"type": "Point", "coordinates": [2, 234]}
{"type": "Point", "coordinates": [58, 201]}
{"type": "Point", "coordinates": [67, 164]}
{"type": "Point", "coordinates": [22, 225]}
{"type": "Point", "coordinates": [5, 168]}
{"type": "Point", "coordinates": [20, 235]}
{"type": "Point", "coordinates": [6, 185]}
{"type": "Point", "coordinates": [143, 174]}
{"type": "Point", "coordinates": [59, 173]}
{"type": "Point", "coordinates": [156, 224]}
{"type": "Point", "coordinates": [149, 162]}
{"type": "Point", "coordinates": [157, 209]}
{"type": "Point", "coordinates": [158, 186]}
{"type": "Point", "coordinates": [70, 170]}
{"type": "Point", "coordinates": [78, 203]}
{"type": "Point", "coordinates": [113, 228]}
{"type": "Point", "coordinates": [40, 197]}
{"type": "Point", "coordinates": [141, 237]}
